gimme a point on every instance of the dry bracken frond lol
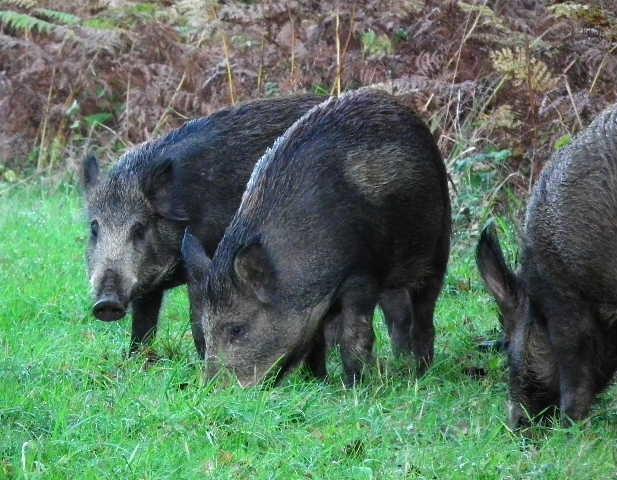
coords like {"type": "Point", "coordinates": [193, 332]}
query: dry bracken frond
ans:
{"type": "Point", "coordinates": [198, 13]}
{"type": "Point", "coordinates": [148, 66]}
{"type": "Point", "coordinates": [400, 8]}
{"type": "Point", "coordinates": [429, 63]}
{"type": "Point", "coordinates": [93, 41]}
{"type": "Point", "coordinates": [522, 68]}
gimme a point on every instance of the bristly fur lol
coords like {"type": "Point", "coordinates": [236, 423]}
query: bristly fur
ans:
{"type": "Point", "coordinates": [205, 138]}
{"type": "Point", "coordinates": [193, 176]}
{"type": "Point", "coordinates": [561, 328]}
{"type": "Point", "coordinates": [128, 174]}
{"type": "Point", "coordinates": [336, 124]}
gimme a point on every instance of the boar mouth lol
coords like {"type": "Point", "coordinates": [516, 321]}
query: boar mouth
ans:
{"type": "Point", "coordinates": [282, 367]}
{"type": "Point", "coordinates": [109, 308]}
{"type": "Point", "coordinates": [270, 377]}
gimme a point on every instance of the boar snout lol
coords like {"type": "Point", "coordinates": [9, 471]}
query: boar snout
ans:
{"type": "Point", "coordinates": [212, 367]}
{"type": "Point", "coordinates": [109, 308]}
{"type": "Point", "coordinates": [111, 303]}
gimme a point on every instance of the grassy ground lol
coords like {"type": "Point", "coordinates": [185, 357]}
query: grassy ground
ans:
{"type": "Point", "coordinates": [72, 405]}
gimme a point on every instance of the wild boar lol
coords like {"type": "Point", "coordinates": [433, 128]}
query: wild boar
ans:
{"type": "Point", "coordinates": [559, 309]}
{"type": "Point", "coordinates": [193, 176]}
{"type": "Point", "coordinates": [349, 206]}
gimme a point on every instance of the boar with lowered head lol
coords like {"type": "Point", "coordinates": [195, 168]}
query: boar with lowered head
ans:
{"type": "Point", "coordinates": [193, 176]}
{"type": "Point", "coordinates": [560, 310]}
{"type": "Point", "coordinates": [349, 205]}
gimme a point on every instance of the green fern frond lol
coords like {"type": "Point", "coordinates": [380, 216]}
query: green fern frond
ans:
{"type": "Point", "coordinates": [502, 117]}
{"type": "Point", "coordinates": [568, 9]}
{"type": "Point", "coordinates": [519, 66]}
{"type": "Point", "coordinates": [488, 16]}
{"type": "Point", "coordinates": [376, 45]}
{"type": "Point", "coordinates": [23, 22]}
{"type": "Point", "coordinates": [100, 24]}
{"type": "Point", "coordinates": [57, 17]}
{"type": "Point", "coordinates": [593, 14]}
{"type": "Point", "coordinates": [25, 4]}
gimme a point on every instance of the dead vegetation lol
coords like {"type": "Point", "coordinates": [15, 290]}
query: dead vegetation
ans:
{"type": "Point", "coordinates": [493, 76]}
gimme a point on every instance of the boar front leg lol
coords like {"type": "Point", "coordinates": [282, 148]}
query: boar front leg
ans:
{"type": "Point", "coordinates": [422, 327]}
{"type": "Point", "coordinates": [145, 319]}
{"type": "Point", "coordinates": [326, 338]}
{"type": "Point", "coordinates": [357, 335]}
{"type": "Point", "coordinates": [396, 306]}
{"type": "Point", "coordinates": [571, 332]}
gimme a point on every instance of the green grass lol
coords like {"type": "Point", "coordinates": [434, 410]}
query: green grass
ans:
{"type": "Point", "coordinates": [73, 406]}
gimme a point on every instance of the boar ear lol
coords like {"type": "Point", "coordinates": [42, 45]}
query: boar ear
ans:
{"type": "Point", "coordinates": [89, 172]}
{"type": "Point", "coordinates": [158, 187]}
{"type": "Point", "coordinates": [254, 269]}
{"type": "Point", "coordinates": [498, 278]}
{"type": "Point", "coordinates": [196, 261]}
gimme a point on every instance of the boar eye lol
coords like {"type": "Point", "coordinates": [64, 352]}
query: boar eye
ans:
{"type": "Point", "coordinates": [94, 229]}
{"type": "Point", "coordinates": [139, 232]}
{"type": "Point", "coordinates": [235, 332]}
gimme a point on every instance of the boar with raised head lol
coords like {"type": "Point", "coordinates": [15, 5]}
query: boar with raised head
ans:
{"type": "Point", "coordinates": [193, 176]}
{"type": "Point", "coordinates": [349, 206]}
{"type": "Point", "coordinates": [559, 309]}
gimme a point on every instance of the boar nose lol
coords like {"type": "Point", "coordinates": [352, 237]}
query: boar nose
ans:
{"type": "Point", "coordinates": [108, 308]}
{"type": "Point", "coordinates": [518, 417]}
{"type": "Point", "coordinates": [212, 366]}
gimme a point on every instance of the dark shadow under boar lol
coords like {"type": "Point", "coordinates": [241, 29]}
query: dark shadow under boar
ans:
{"type": "Point", "coordinates": [559, 310]}
{"type": "Point", "coordinates": [348, 207]}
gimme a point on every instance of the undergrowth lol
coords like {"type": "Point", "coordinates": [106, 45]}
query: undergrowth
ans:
{"type": "Point", "coordinates": [520, 76]}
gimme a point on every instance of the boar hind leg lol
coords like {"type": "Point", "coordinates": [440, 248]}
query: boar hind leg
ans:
{"type": "Point", "coordinates": [145, 318]}
{"type": "Point", "coordinates": [396, 307]}
{"type": "Point", "coordinates": [571, 333]}
{"type": "Point", "coordinates": [422, 328]}
{"type": "Point", "coordinates": [357, 336]}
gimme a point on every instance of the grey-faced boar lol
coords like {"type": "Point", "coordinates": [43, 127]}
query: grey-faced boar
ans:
{"type": "Point", "coordinates": [193, 176]}
{"type": "Point", "coordinates": [559, 310]}
{"type": "Point", "coordinates": [348, 207]}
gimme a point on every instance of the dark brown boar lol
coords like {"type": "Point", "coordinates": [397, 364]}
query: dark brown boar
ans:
{"type": "Point", "coordinates": [559, 309]}
{"type": "Point", "coordinates": [349, 206]}
{"type": "Point", "coordinates": [193, 176]}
